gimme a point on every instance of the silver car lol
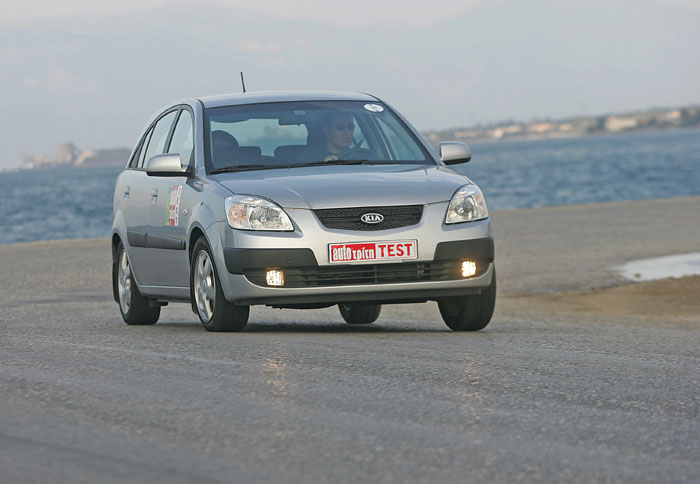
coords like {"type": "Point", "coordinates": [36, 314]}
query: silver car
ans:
{"type": "Point", "coordinates": [297, 200]}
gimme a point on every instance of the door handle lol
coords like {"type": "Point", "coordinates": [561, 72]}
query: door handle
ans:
{"type": "Point", "coordinates": [127, 191]}
{"type": "Point", "coordinates": [154, 195]}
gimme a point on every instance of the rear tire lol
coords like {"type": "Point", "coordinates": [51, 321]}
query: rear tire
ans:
{"type": "Point", "coordinates": [471, 312]}
{"type": "Point", "coordinates": [214, 311]}
{"type": "Point", "coordinates": [135, 308]}
{"type": "Point", "coordinates": [359, 313]}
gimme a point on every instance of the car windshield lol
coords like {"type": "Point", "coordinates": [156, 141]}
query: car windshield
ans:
{"type": "Point", "coordinates": [294, 134]}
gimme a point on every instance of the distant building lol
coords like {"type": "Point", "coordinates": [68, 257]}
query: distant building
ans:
{"type": "Point", "coordinates": [674, 116]}
{"type": "Point", "coordinates": [614, 123]}
{"type": "Point", "coordinates": [540, 128]}
{"type": "Point", "coordinates": [114, 157]}
{"type": "Point", "coordinates": [566, 127]}
{"type": "Point", "coordinates": [66, 152]}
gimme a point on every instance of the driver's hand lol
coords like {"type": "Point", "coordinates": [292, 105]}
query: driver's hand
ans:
{"type": "Point", "coordinates": [330, 158]}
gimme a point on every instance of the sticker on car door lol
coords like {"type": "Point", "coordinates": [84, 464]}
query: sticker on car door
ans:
{"type": "Point", "coordinates": [173, 212]}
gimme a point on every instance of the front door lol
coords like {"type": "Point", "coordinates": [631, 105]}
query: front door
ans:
{"type": "Point", "coordinates": [172, 201]}
{"type": "Point", "coordinates": [167, 230]}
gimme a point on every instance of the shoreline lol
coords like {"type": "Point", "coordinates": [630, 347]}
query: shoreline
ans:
{"type": "Point", "coordinates": [565, 136]}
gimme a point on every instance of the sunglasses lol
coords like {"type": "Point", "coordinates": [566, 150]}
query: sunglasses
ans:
{"type": "Point", "coordinates": [341, 127]}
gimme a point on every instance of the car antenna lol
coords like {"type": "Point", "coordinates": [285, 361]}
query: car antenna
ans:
{"type": "Point", "coordinates": [242, 82]}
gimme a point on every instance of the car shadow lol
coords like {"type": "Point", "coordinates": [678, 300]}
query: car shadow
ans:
{"type": "Point", "coordinates": [320, 327]}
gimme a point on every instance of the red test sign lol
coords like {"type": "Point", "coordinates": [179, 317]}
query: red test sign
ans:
{"type": "Point", "coordinates": [372, 251]}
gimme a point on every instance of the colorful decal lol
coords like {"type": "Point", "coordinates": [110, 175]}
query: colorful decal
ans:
{"type": "Point", "coordinates": [173, 212]}
{"type": "Point", "coordinates": [375, 108]}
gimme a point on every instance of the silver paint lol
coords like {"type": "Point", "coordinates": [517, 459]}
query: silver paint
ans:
{"type": "Point", "coordinates": [164, 274]}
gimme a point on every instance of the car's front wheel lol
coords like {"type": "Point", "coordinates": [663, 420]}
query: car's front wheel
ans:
{"type": "Point", "coordinates": [214, 311]}
{"type": "Point", "coordinates": [359, 313]}
{"type": "Point", "coordinates": [471, 312]}
{"type": "Point", "coordinates": [135, 308]}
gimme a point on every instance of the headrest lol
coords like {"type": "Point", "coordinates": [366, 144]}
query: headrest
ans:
{"type": "Point", "coordinates": [223, 139]}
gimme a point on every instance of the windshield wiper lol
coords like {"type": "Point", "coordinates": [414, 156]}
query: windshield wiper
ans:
{"type": "Point", "coordinates": [329, 162]}
{"type": "Point", "coordinates": [235, 168]}
{"type": "Point", "coordinates": [342, 162]}
{"type": "Point", "coordinates": [229, 169]}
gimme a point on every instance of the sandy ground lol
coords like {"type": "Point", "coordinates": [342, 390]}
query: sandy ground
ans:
{"type": "Point", "coordinates": [562, 260]}
{"type": "Point", "coordinates": [674, 302]}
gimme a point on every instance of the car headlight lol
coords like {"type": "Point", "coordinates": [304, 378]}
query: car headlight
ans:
{"type": "Point", "coordinates": [467, 205]}
{"type": "Point", "coordinates": [253, 213]}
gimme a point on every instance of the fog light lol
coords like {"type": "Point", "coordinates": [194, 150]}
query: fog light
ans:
{"type": "Point", "coordinates": [274, 277]}
{"type": "Point", "coordinates": [468, 268]}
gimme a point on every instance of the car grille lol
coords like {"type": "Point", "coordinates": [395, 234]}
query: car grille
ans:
{"type": "Point", "coordinates": [349, 275]}
{"type": "Point", "coordinates": [349, 218]}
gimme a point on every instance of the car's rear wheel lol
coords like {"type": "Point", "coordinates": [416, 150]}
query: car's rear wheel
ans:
{"type": "Point", "coordinates": [359, 313]}
{"type": "Point", "coordinates": [134, 307]}
{"type": "Point", "coordinates": [469, 313]}
{"type": "Point", "coordinates": [214, 311]}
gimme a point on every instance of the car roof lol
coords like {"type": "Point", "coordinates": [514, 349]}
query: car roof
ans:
{"type": "Point", "coordinates": [255, 97]}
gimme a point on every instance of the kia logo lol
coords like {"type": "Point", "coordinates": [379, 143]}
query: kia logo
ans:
{"type": "Point", "coordinates": [372, 218]}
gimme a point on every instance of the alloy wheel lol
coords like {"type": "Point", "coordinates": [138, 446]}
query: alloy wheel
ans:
{"type": "Point", "coordinates": [205, 286]}
{"type": "Point", "coordinates": [124, 283]}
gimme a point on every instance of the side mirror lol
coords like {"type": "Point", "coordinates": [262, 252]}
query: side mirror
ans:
{"type": "Point", "coordinates": [452, 153]}
{"type": "Point", "coordinates": [168, 164]}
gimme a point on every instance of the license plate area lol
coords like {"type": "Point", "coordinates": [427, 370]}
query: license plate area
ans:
{"type": "Point", "coordinates": [368, 252]}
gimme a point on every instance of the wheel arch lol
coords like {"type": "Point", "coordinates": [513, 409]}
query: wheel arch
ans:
{"type": "Point", "coordinates": [116, 240]}
{"type": "Point", "coordinates": [196, 232]}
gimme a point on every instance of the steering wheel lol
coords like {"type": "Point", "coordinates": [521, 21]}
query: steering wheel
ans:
{"type": "Point", "coordinates": [357, 154]}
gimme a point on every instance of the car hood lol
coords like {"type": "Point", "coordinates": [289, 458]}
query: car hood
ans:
{"type": "Point", "coordinates": [347, 186]}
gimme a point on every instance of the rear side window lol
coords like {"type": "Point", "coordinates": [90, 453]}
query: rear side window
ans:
{"type": "Point", "coordinates": [140, 149]}
{"type": "Point", "coordinates": [142, 153]}
{"type": "Point", "coordinates": [156, 144]}
{"type": "Point", "coordinates": [183, 138]}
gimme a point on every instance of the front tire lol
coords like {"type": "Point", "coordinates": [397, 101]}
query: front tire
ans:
{"type": "Point", "coordinates": [358, 313]}
{"type": "Point", "coordinates": [135, 308]}
{"type": "Point", "coordinates": [471, 312]}
{"type": "Point", "coordinates": [214, 311]}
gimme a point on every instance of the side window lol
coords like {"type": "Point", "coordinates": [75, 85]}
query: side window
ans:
{"type": "Point", "coordinates": [156, 144]}
{"type": "Point", "coordinates": [183, 139]}
{"type": "Point", "coordinates": [134, 162]}
{"type": "Point", "coordinates": [142, 153]}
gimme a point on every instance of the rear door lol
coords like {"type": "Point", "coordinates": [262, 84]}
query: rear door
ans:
{"type": "Point", "coordinates": [169, 213]}
{"type": "Point", "coordinates": [132, 199]}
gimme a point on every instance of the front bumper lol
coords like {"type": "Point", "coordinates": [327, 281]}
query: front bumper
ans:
{"type": "Point", "coordinates": [243, 257]}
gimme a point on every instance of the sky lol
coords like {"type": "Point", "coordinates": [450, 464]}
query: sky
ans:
{"type": "Point", "coordinates": [93, 72]}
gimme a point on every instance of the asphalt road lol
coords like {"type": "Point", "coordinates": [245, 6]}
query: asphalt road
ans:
{"type": "Point", "coordinates": [303, 397]}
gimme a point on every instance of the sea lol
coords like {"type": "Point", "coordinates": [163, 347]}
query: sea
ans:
{"type": "Point", "coordinates": [64, 203]}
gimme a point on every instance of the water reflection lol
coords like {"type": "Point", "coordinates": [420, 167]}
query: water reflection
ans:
{"type": "Point", "coordinates": [469, 397]}
{"type": "Point", "coordinates": [275, 370]}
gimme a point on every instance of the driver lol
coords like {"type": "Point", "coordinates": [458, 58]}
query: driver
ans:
{"type": "Point", "coordinates": [339, 128]}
